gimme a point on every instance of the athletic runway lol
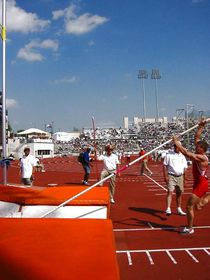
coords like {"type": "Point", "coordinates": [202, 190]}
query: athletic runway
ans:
{"type": "Point", "coordinates": [148, 243]}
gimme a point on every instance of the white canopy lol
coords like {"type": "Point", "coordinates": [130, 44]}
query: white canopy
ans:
{"type": "Point", "coordinates": [33, 131]}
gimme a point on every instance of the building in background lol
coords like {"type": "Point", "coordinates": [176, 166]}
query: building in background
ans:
{"type": "Point", "coordinates": [65, 136]}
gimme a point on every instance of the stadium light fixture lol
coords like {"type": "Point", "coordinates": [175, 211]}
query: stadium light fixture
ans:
{"type": "Point", "coordinates": [143, 75]}
{"type": "Point", "coordinates": [156, 76]}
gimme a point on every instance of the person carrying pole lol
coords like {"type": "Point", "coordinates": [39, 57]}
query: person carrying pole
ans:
{"type": "Point", "coordinates": [199, 170]}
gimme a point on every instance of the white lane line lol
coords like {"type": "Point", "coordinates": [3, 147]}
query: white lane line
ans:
{"type": "Point", "coordinates": [164, 193]}
{"type": "Point", "coordinates": [155, 182]}
{"type": "Point", "coordinates": [149, 224]}
{"type": "Point", "coordinates": [156, 229]}
{"type": "Point", "coordinates": [156, 190]}
{"type": "Point", "coordinates": [149, 257]}
{"type": "Point", "coordinates": [129, 258]}
{"type": "Point", "coordinates": [182, 194]}
{"type": "Point", "coordinates": [171, 257]}
{"type": "Point", "coordinates": [207, 252]}
{"type": "Point", "coordinates": [167, 251]}
{"type": "Point", "coordinates": [162, 250]}
{"type": "Point", "coordinates": [192, 256]}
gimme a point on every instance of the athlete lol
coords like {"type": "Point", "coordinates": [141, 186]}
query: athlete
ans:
{"type": "Point", "coordinates": [199, 170]}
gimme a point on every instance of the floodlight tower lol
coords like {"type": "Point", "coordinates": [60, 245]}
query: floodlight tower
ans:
{"type": "Point", "coordinates": [143, 75]}
{"type": "Point", "coordinates": [179, 112]}
{"type": "Point", "coordinates": [189, 108]}
{"type": "Point", "coordinates": [156, 76]}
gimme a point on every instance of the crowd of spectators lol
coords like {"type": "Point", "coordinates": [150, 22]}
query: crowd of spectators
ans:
{"type": "Point", "coordinates": [130, 141]}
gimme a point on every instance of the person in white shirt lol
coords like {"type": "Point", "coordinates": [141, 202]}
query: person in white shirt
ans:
{"type": "Point", "coordinates": [27, 167]}
{"type": "Point", "coordinates": [174, 167]}
{"type": "Point", "coordinates": [110, 161]}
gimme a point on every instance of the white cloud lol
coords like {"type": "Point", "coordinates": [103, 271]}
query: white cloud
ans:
{"type": "Point", "coordinates": [11, 103]}
{"type": "Point", "coordinates": [46, 44]}
{"type": "Point", "coordinates": [31, 51]}
{"type": "Point", "coordinates": [18, 20]}
{"type": "Point", "coordinates": [65, 80]}
{"type": "Point", "coordinates": [29, 55]}
{"type": "Point", "coordinates": [57, 14]}
{"type": "Point", "coordinates": [84, 23]}
{"type": "Point", "coordinates": [78, 25]}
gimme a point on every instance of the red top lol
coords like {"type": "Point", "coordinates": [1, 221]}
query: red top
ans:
{"type": "Point", "coordinates": [141, 153]}
{"type": "Point", "coordinates": [200, 186]}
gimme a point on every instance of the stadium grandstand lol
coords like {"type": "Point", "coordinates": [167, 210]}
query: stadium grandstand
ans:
{"type": "Point", "coordinates": [145, 135]}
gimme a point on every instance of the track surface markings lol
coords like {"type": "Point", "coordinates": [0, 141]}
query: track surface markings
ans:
{"type": "Point", "coordinates": [151, 228]}
{"type": "Point", "coordinates": [167, 251]}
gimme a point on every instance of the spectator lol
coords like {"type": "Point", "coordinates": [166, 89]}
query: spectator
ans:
{"type": "Point", "coordinates": [27, 167]}
{"type": "Point", "coordinates": [110, 161]}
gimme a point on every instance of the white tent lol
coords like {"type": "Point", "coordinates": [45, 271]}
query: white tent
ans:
{"type": "Point", "coordinates": [33, 131]}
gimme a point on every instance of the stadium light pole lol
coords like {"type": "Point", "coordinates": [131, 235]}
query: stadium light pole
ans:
{"type": "Point", "coordinates": [189, 107]}
{"type": "Point", "coordinates": [156, 76]}
{"type": "Point", "coordinates": [143, 75]}
{"type": "Point", "coordinates": [179, 112]}
{"type": "Point", "coordinates": [3, 36]}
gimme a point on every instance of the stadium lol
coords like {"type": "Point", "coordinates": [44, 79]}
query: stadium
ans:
{"type": "Point", "coordinates": [104, 201]}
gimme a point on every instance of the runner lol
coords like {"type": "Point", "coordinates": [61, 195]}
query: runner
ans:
{"type": "Point", "coordinates": [199, 169]}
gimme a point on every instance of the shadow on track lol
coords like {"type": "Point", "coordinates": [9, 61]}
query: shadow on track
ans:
{"type": "Point", "coordinates": [154, 212]}
{"type": "Point", "coordinates": [133, 222]}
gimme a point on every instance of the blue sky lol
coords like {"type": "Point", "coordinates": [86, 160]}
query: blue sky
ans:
{"type": "Point", "coordinates": [70, 60]}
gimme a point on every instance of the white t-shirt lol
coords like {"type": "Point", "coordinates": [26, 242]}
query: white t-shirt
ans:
{"type": "Point", "coordinates": [176, 163]}
{"type": "Point", "coordinates": [110, 162]}
{"type": "Point", "coordinates": [27, 164]}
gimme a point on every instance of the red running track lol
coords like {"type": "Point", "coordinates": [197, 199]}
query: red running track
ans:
{"type": "Point", "coordinates": [149, 244]}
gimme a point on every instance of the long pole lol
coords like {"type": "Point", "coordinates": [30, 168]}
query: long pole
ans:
{"type": "Point", "coordinates": [116, 172]}
{"type": "Point", "coordinates": [94, 137]}
{"type": "Point", "coordinates": [3, 35]}
{"type": "Point", "coordinates": [95, 147]}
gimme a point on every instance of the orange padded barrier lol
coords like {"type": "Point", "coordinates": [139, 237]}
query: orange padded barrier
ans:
{"type": "Point", "coordinates": [54, 195]}
{"type": "Point", "coordinates": [40, 249]}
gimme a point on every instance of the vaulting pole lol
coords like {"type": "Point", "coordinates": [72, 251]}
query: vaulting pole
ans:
{"type": "Point", "coordinates": [116, 172]}
{"type": "Point", "coordinates": [3, 36]}
{"type": "Point", "coordinates": [95, 147]}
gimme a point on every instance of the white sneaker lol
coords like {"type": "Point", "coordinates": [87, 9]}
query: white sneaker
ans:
{"type": "Point", "coordinates": [112, 200]}
{"type": "Point", "coordinates": [180, 212]}
{"type": "Point", "coordinates": [187, 230]}
{"type": "Point", "coordinates": [168, 211]}
{"type": "Point", "coordinates": [85, 183]}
